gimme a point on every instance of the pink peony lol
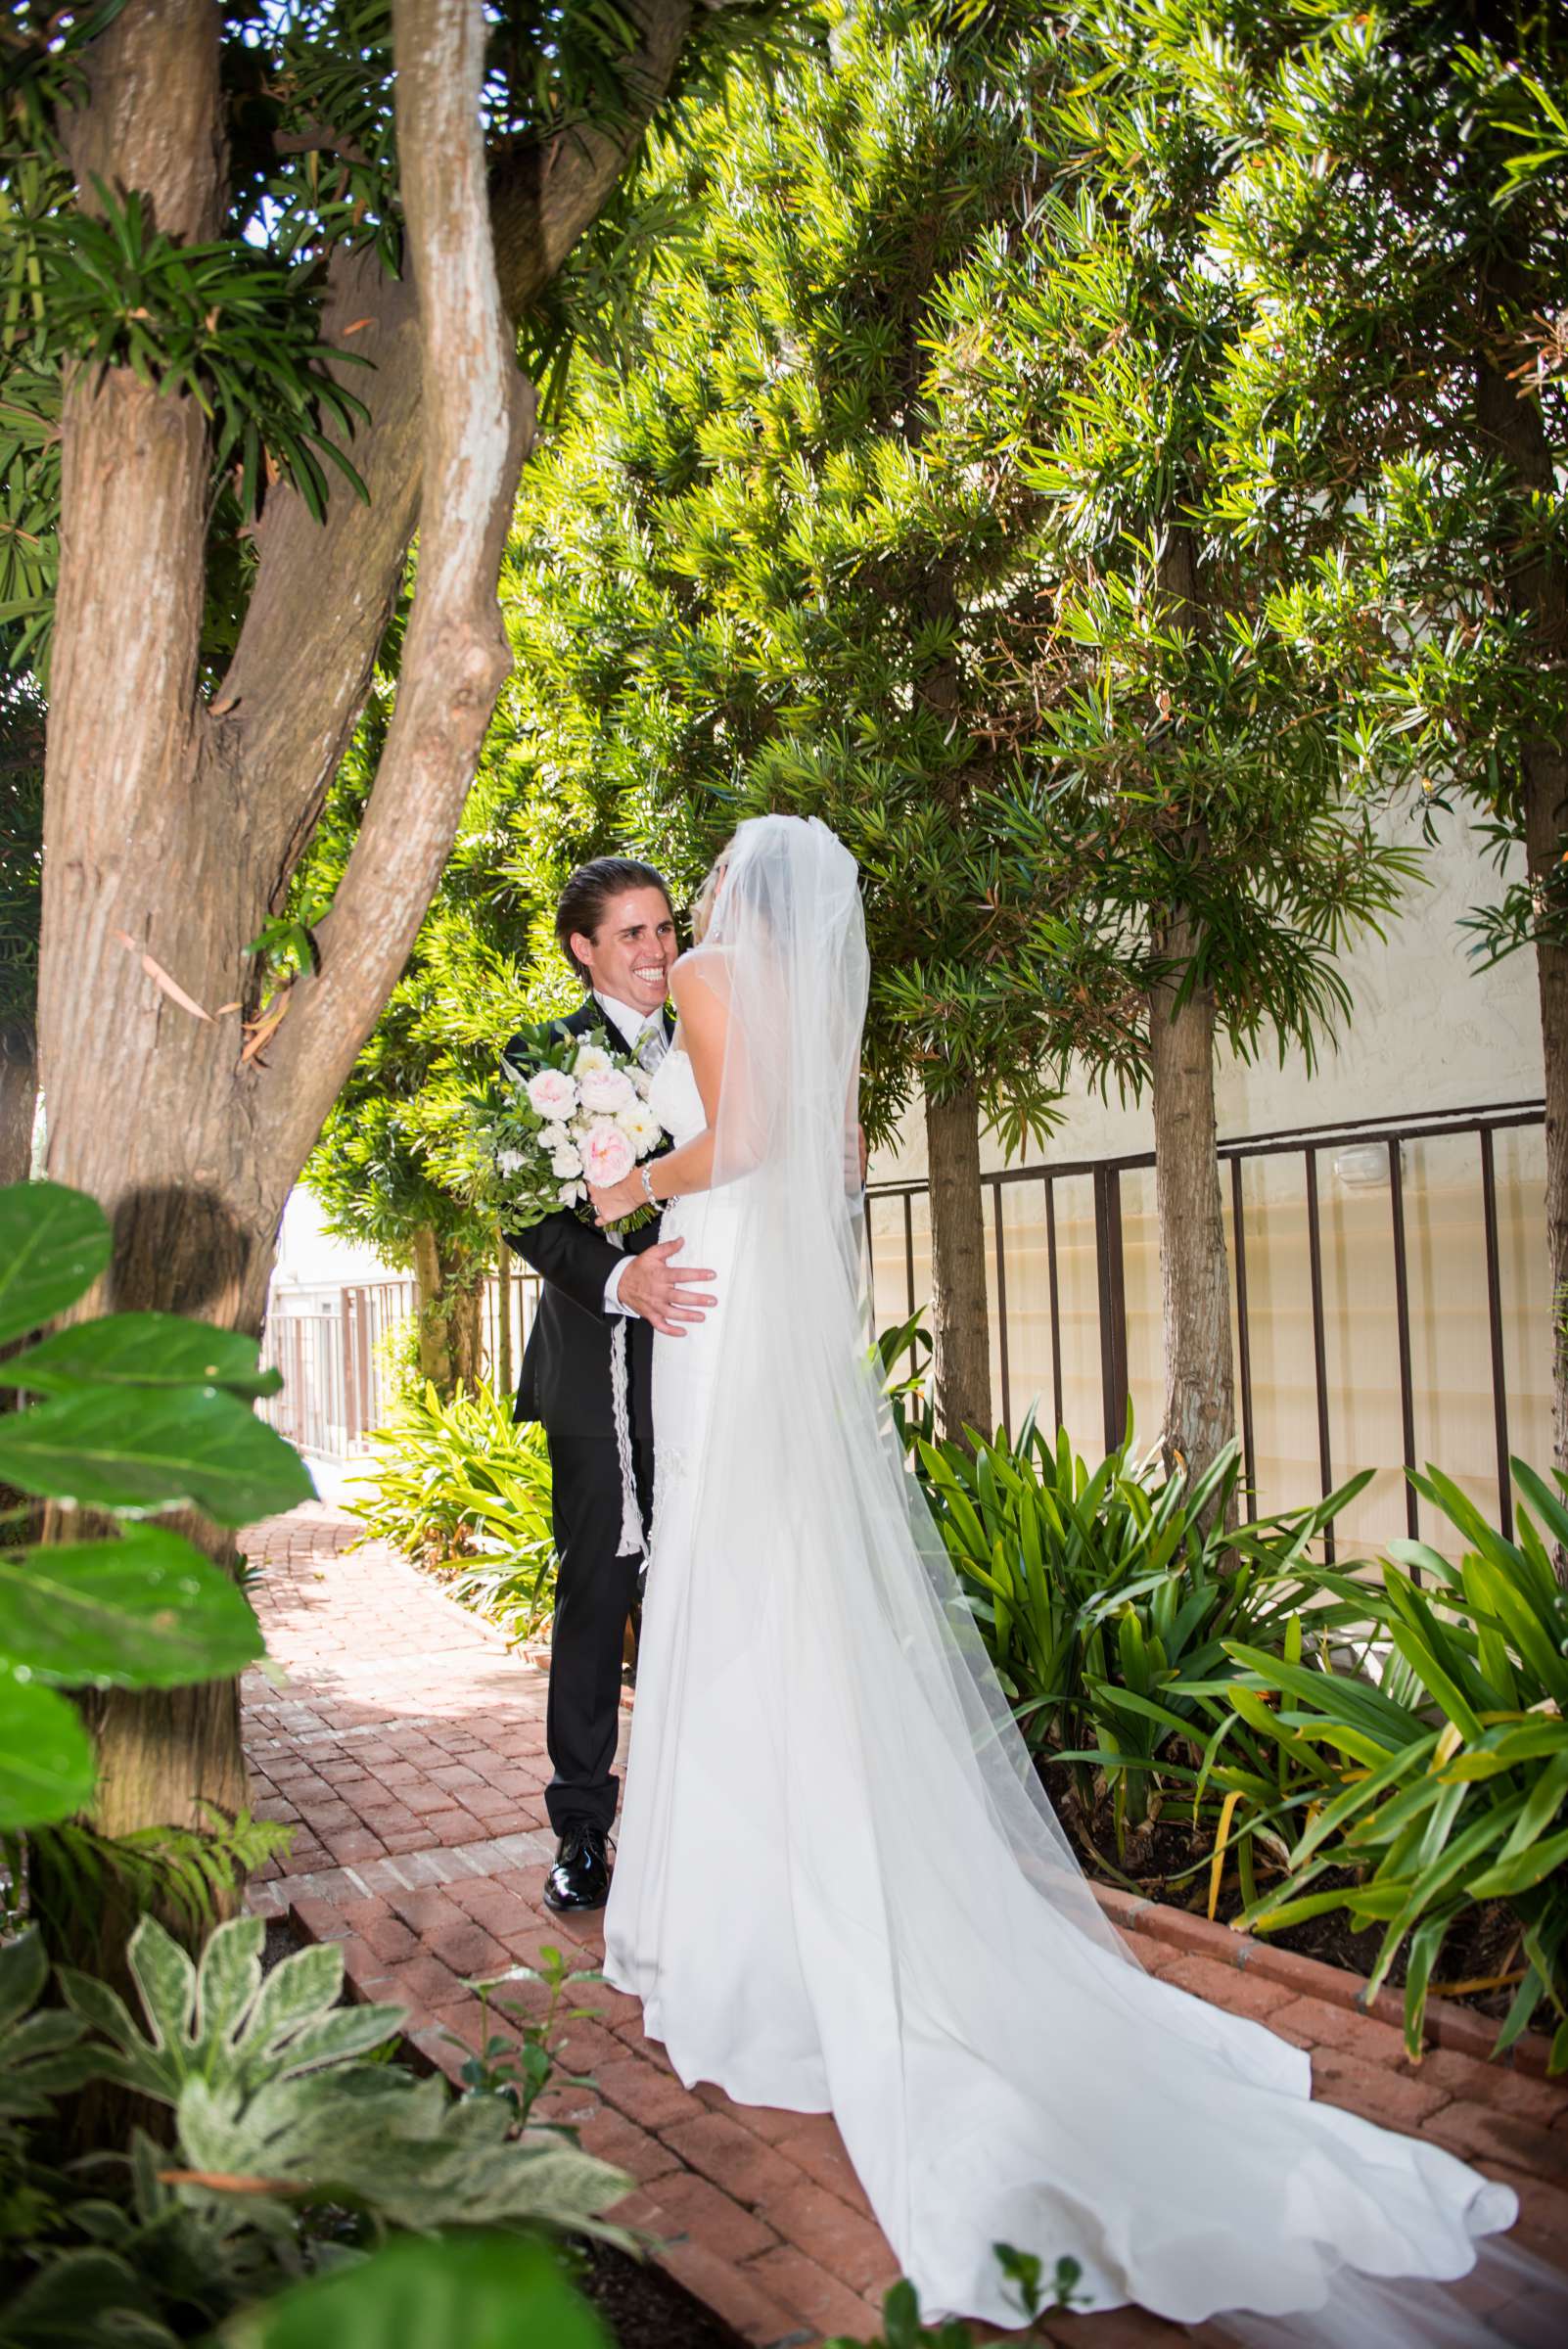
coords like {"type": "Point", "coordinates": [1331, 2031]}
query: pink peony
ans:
{"type": "Point", "coordinates": [605, 1091]}
{"type": "Point", "coordinates": [552, 1093]}
{"type": "Point", "coordinates": [608, 1156]}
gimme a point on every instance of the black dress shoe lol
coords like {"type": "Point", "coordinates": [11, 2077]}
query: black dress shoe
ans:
{"type": "Point", "coordinates": [580, 1876]}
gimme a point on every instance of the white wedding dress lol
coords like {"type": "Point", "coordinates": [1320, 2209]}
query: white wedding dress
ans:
{"type": "Point", "coordinates": [838, 1885]}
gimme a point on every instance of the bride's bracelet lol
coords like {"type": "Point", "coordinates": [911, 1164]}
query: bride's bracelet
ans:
{"type": "Point", "coordinates": [647, 1185]}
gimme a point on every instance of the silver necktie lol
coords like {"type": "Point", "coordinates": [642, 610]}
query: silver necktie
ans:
{"type": "Point", "coordinates": [651, 1047]}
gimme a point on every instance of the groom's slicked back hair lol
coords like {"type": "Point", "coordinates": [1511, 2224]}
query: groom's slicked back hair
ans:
{"type": "Point", "coordinates": [590, 890]}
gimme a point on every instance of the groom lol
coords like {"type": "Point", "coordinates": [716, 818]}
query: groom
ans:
{"type": "Point", "coordinates": [615, 929]}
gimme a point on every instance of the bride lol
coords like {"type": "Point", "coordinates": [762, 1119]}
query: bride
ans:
{"type": "Point", "coordinates": [840, 1886]}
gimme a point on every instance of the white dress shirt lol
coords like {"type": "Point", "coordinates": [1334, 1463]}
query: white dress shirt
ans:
{"type": "Point", "coordinates": [630, 1025]}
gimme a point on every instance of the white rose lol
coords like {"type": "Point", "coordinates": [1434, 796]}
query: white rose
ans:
{"type": "Point", "coordinates": [556, 1137]}
{"type": "Point", "coordinates": [552, 1094]}
{"type": "Point", "coordinates": [570, 1193]}
{"type": "Point", "coordinates": [565, 1161]}
{"type": "Point", "coordinates": [604, 1091]}
{"type": "Point", "coordinates": [591, 1058]}
{"type": "Point", "coordinates": [641, 1127]}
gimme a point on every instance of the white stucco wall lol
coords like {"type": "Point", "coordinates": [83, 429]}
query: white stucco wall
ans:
{"type": "Point", "coordinates": [307, 1253]}
{"type": "Point", "coordinates": [1428, 1031]}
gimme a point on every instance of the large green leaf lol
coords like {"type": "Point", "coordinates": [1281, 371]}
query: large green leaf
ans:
{"type": "Point", "coordinates": [143, 1449]}
{"type": "Point", "coordinates": [1523, 1871]}
{"type": "Point", "coordinates": [46, 1756]}
{"type": "Point", "coordinates": [39, 2052]}
{"type": "Point", "coordinates": [145, 1611]}
{"type": "Point", "coordinates": [53, 1245]}
{"type": "Point", "coordinates": [87, 2300]}
{"type": "Point", "coordinates": [482, 2291]}
{"type": "Point", "coordinates": [142, 1349]}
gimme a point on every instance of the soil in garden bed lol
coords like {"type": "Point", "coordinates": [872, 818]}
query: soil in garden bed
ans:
{"type": "Point", "coordinates": [1160, 1860]}
{"type": "Point", "coordinates": [642, 2307]}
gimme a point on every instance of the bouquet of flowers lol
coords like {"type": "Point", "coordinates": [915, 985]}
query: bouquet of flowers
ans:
{"type": "Point", "coordinates": [567, 1113]}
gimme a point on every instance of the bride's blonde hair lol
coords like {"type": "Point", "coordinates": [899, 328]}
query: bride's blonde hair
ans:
{"type": "Point", "coordinates": [702, 904]}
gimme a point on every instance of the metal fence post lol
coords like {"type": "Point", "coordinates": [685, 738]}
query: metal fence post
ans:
{"type": "Point", "coordinates": [1113, 1300]}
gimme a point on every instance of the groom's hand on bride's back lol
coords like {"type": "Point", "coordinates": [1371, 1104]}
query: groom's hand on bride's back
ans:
{"type": "Point", "coordinates": [665, 1294]}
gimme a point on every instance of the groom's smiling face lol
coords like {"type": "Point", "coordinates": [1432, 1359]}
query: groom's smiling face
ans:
{"type": "Point", "coordinates": [630, 953]}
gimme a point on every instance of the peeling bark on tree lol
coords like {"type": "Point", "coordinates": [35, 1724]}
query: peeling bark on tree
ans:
{"type": "Point", "coordinates": [171, 827]}
{"type": "Point", "coordinates": [959, 1306]}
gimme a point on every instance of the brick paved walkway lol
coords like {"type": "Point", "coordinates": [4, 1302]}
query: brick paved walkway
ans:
{"type": "Point", "coordinates": [408, 1747]}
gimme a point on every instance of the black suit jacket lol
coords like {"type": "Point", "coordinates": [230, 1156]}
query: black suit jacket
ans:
{"type": "Point", "coordinates": [566, 1367]}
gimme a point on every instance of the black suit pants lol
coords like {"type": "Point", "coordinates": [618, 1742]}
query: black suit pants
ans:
{"type": "Point", "coordinates": [594, 1596]}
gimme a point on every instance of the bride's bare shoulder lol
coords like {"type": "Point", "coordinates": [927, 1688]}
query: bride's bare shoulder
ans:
{"type": "Point", "coordinates": [701, 970]}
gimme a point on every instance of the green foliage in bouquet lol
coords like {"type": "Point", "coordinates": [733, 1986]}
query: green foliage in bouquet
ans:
{"type": "Point", "coordinates": [1442, 1782]}
{"type": "Point", "coordinates": [464, 1488]}
{"type": "Point", "coordinates": [533, 1157]}
{"type": "Point", "coordinates": [139, 1413]}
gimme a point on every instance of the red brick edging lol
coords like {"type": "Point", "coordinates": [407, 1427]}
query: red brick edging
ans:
{"type": "Point", "coordinates": [1447, 2023]}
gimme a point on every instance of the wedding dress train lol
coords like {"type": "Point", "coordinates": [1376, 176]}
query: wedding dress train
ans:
{"type": "Point", "coordinates": [838, 1885]}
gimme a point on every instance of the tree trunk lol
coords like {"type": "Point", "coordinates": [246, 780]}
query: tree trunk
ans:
{"type": "Point", "coordinates": [434, 1355]}
{"type": "Point", "coordinates": [169, 829]}
{"type": "Point", "coordinates": [1200, 1399]}
{"type": "Point", "coordinates": [451, 1315]}
{"type": "Point", "coordinates": [959, 1310]}
{"type": "Point", "coordinates": [1200, 1404]}
{"type": "Point", "coordinates": [505, 1379]}
{"type": "Point", "coordinates": [18, 1099]}
{"type": "Point", "coordinates": [465, 1327]}
{"type": "Point", "coordinates": [1538, 590]}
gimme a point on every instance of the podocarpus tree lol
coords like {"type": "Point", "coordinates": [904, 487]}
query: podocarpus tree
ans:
{"type": "Point", "coordinates": [1191, 778]}
{"type": "Point", "coordinates": [240, 215]}
{"type": "Point", "coordinates": [1400, 208]}
{"type": "Point", "coordinates": [753, 573]}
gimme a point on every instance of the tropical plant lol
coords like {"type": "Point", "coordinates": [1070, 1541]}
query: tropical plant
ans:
{"type": "Point", "coordinates": [462, 1488]}
{"type": "Point", "coordinates": [901, 2327]}
{"type": "Point", "coordinates": [1442, 1781]}
{"type": "Point", "coordinates": [903, 1361]}
{"type": "Point", "coordinates": [1105, 1599]}
{"type": "Point", "coordinates": [467, 2288]}
{"type": "Point", "coordinates": [295, 2145]}
{"type": "Point", "coordinates": [518, 2064]}
{"type": "Point", "coordinates": [139, 1413]}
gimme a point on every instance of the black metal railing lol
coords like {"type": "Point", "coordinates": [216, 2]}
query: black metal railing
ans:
{"type": "Point", "coordinates": [1106, 1176]}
